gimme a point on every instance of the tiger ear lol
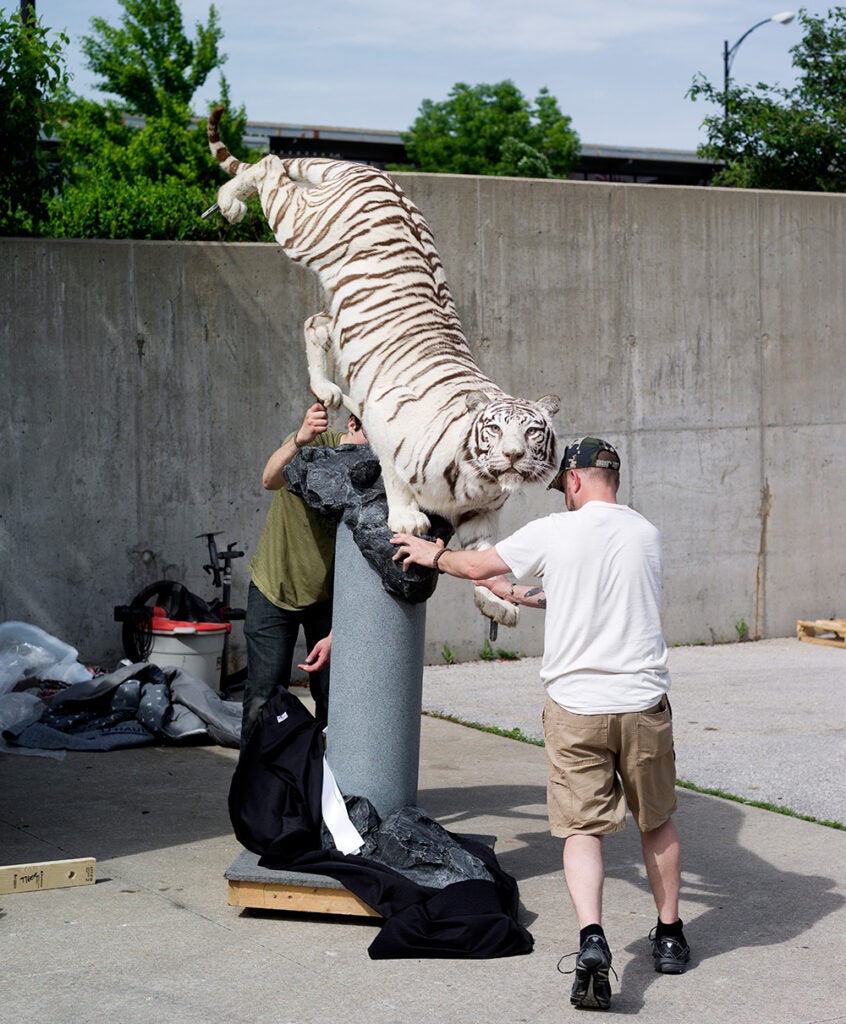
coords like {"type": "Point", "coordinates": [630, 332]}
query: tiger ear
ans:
{"type": "Point", "coordinates": [550, 404]}
{"type": "Point", "coordinates": [475, 400]}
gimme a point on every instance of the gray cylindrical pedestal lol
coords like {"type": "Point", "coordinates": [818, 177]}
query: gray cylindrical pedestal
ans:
{"type": "Point", "coordinates": [376, 691]}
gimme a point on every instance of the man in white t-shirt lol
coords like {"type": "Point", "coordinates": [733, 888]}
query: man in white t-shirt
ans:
{"type": "Point", "coordinates": [607, 720]}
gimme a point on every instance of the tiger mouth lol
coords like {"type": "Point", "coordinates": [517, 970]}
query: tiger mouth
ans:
{"type": "Point", "coordinates": [512, 473]}
{"type": "Point", "coordinates": [522, 467]}
{"type": "Point", "coordinates": [524, 474]}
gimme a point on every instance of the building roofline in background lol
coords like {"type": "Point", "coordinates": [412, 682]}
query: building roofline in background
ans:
{"type": "Point", "coordinates": [598, 163]}
{"type": "Point", "coordinates": [381, 147]}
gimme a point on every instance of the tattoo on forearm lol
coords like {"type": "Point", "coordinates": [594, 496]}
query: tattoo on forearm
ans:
{"type": "Point", "coordinates": [533, 592]}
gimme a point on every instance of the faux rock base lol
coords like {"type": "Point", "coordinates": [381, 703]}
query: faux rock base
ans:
{"type": "Point", "coordinates": [345, 484]}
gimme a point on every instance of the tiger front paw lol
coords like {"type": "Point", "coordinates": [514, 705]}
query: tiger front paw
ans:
{"type": "Point", "coordinates": [503, 612]}
{"type": "Point", "coordinates": [407, 520]}
{"type": "Point", "coordinates": [232, 208]}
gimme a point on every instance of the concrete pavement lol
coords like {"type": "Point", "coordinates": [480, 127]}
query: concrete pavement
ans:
{"type": "Point", "coordinates": [763, 721]}
{"type": "Point", "coordinates": [153, 940]}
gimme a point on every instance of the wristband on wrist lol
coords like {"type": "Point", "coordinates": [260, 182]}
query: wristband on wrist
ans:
{"type": "Point", "coordinates": [436, 559]}
{"type": "Point", "coordinates": [297, 443]}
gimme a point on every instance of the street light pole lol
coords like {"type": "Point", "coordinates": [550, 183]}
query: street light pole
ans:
{"type": "Point", "coordinates": [729, 53]}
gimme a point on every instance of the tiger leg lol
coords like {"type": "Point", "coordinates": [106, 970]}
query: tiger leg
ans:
{"type": "Point", "coordinates": [477, 531]}
{"type": "Point", "coordinates": [318, 339]}
{"type": "Point", "coordinates": [404, 515]}
{"type": "Point", "coordinates": [231, 195]}
{"type": "Point", "coordinates": [503, 612]}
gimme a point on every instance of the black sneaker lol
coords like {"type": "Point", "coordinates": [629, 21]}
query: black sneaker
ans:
{"type": "Point", "coordinates": [593, 961]}
{"type": "Point", "coordinates": [671, 952]}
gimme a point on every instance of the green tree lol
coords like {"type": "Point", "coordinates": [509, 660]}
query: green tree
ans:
{"type": "Point", "coordinates": [492, 129]}
{"type": "Point", "coordinates": [32, 71]}
{"type": "Point", "coordinates": [123, 180]}
{"type": "Point", "coordinates": [772, 137]}
{"type": "Point", "coordinates": [149, 62]}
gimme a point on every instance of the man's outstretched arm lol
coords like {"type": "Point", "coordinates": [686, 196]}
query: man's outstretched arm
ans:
{"type": "Point", "coordinates": [466, 565]}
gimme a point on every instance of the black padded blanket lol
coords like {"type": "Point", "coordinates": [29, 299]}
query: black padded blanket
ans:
{"type": "Point", "coordinates": [274, 804]}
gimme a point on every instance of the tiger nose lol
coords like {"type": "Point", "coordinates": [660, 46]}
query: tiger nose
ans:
{"type": "Point", "coordinates": [513, 452]}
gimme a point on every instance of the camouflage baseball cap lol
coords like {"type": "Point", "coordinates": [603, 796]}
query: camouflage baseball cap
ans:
{"type": "Point", "coordinates": [584, 453]}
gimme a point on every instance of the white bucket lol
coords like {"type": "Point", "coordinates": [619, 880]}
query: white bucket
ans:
{"type": "Point", "coordinates": [198, 653]}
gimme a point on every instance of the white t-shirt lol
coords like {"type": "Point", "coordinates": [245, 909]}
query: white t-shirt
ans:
{"type": "Point", "coordinates": [604, 649]}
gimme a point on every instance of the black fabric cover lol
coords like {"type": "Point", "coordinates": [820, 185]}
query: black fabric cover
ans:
{"type": "Point", "coordinates": [275, 795]}
{"type": "Point", "coordinates": [472, 920]}
{"type": "Point", "coordinates": [274, 803]}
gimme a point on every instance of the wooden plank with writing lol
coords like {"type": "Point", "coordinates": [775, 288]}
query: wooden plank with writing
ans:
{"type": "Point", "coordinates": [50, 874]}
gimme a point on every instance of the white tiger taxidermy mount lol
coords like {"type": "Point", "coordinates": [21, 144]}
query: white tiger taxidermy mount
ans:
{"type": "Point", "coordinates": [447, 438]}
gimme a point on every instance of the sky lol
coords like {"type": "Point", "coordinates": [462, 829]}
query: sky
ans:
{"type": "Point", "coordinates": [619, 68]}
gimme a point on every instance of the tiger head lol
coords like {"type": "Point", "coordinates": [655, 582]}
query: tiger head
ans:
{"type": "Point", "coordinates": [512, 440]}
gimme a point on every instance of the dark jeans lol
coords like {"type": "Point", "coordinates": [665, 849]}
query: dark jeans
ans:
{"type": "Point", "coordinates": [271, 634]}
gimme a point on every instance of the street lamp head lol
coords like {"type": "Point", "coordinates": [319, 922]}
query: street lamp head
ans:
{"type": "Point", "coordinates": [729, 52]}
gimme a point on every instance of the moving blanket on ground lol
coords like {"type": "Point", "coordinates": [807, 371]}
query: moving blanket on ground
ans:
{"type": "Point", "coordinates": [136, 705]}
{"type": "Point", "coordinates": [443, 895]}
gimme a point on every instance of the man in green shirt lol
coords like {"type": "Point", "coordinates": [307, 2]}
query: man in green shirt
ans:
{"type": "Point", "coordinates": [291, 575]}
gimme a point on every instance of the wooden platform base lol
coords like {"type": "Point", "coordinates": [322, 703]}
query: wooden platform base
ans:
{"type": "Point", "coordinates": [831, 632]}
{"type": "Point", "coordinates": [251, 885]}
{"type": "Point", "coordinates": [263, 889]}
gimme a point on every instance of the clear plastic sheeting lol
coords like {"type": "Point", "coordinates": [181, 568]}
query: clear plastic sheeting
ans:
{"type": "Point", "coordinates": [19, 710]}
{"type": "Point", "coordinates": [27, 652]}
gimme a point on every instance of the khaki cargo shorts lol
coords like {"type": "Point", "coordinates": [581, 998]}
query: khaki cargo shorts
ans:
{"type": "Point", "coordinates": [598, 763]}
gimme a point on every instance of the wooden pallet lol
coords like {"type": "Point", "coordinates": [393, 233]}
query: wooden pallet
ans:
{"type": "Point", "coordinates": [308, 899]}
{"type": "Point", "coordinates": [265, 889]}
{"type": "Point", "coordinates": [831, 632]}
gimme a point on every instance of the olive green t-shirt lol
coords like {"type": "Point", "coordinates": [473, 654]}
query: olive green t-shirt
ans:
{"type": "Point", "coordinates": [294, 558]}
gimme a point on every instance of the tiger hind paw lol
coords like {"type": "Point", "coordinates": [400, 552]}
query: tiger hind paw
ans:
{"type": "Point", "coordinates": [327, 393]}
{"type": "Point", "coordinates": [502, 612]}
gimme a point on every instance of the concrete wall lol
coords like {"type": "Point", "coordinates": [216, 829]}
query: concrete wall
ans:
{"type": "Point", "coordinates": [699, 330]}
